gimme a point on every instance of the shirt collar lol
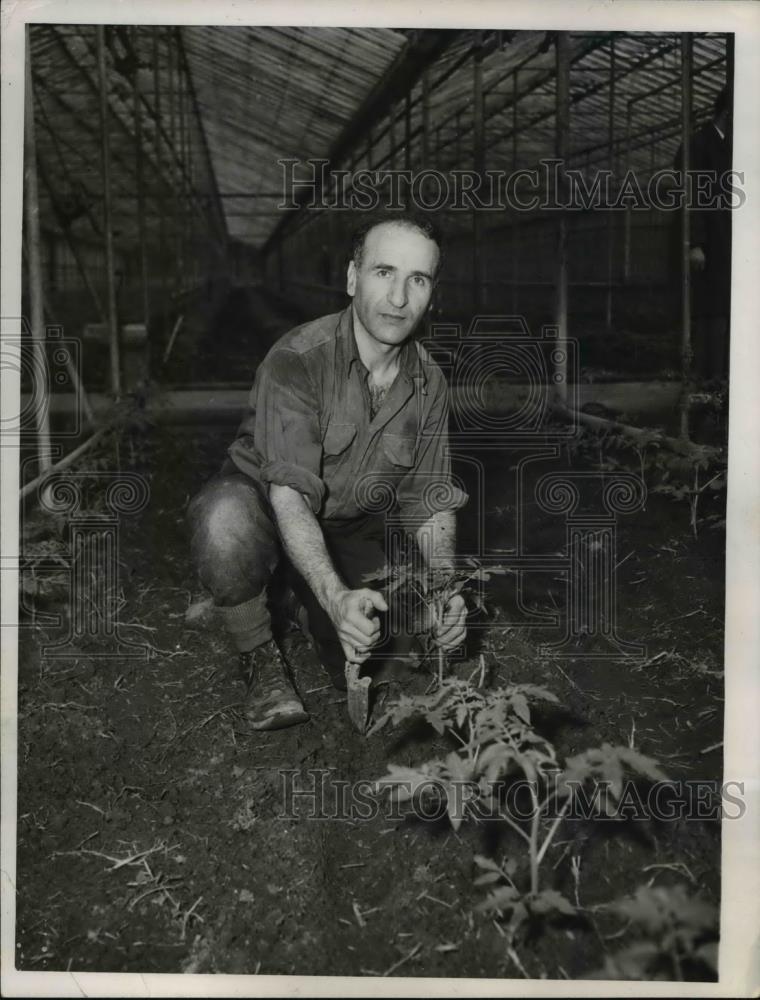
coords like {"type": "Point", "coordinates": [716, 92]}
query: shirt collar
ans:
{"type": "Point", "coordinates": [410, 361]}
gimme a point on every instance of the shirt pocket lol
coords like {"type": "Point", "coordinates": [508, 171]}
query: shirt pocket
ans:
{"type": "Point", "coordinates": [337, 438]}
{"type": "Point", "coordinates": [400, 449]}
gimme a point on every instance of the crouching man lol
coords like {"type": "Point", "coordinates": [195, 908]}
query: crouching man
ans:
{"type": "Point", "coordinates": [339, 403]}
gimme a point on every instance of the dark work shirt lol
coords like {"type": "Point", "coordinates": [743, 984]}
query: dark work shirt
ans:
{"type": "Point", "coordinates": [309, 426]}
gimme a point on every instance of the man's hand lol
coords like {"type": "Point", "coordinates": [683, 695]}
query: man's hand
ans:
{"type": "Point", "coordinates": [451, 632]}
{"type": "Point", "coordinates": [697, 258]}
{"type": "Point", "coordinates": [351, 612]}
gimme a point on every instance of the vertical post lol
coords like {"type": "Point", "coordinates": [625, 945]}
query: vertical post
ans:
{"type": "Point", "coordinates": [105, 160]}
{"type": "Point", "coordinates": [627, 236]}
{"type": "Point", "coordinates": [34, 263]}
{"type": "Point", "coordinates": [140, 178]}
{"type": "Point", "coordinates": [159, 153]}
{"type": "Point", "coordinates": [71, 243]}
{"type": "Point", "coordinates": [611, 165]}
{"type": "Point", "coordinates": [515, 254]}
{"type": "Point", "coordinates": [186, 204]}
{"type": "Point", "coordinates": [478, 156]}
{"type": "Point", "coordinates": [562, 97]}
{"type": "Point", "coordinates": [686, 352]}
{"type": "Point", "coordinates": [392, 138]}
{"type": "Point", "coordinates": [426, 119]}
{"type": "Point", "coordinates": [176, 201]}
{"type": "Point", "coordinates": [408, 143]}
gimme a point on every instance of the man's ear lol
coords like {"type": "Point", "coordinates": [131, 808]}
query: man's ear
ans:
{"type": "Point", "coordinates": [351, 278]}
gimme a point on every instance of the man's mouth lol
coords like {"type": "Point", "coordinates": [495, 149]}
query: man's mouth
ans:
{"type": "Point", "coordinates": [393, 317]}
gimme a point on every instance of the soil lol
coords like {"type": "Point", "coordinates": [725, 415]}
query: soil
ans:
{"type": "Point", "coordinates": [148, 759]}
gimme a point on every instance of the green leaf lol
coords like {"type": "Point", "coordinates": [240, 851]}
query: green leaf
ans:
{"type": "Point", "coordinates": [494, 762]}
{"type": "Point", "coordinates": [437, 720]}
{"type": "Point", "coordinates": [708, 953]}
{"type": "Point", "coordinates": [629, 963]}
{"type": "Point", "coordinates": [550, 900]}
{"type": "Point", "coordinates": [501, 900]}
{"type": "Point", "coordinates": [403, 782]}
{"type": "Point", "coordinates": [520, 914]}
{"type": "Point", "coordinates": [640, 764]}
{"type": "Point", "coordinates": [454, 807]}
{"type": "Point", "coordinates": [538, 693]}
{"type": "Point", "coordinates": [486, 863]}
{"type": "Point", "coordinates": [528, 765]}
{"type": "Point", "coordinates": [520, 707]}
{"type": "Point", "coordinates": [488, 878]}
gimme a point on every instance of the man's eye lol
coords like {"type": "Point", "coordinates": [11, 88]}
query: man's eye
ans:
{"type": "Point", "coordinates": [382, 271]}
{"type": "Point", "coordinates": [420, 281]}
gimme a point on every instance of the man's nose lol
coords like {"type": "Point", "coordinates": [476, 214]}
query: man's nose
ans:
{"type": "Point", "coordinates": [397, 295]}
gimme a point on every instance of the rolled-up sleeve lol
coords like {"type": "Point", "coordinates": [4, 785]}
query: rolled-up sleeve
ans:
{"type": "Point", "coordinates": [286, 443]}
{"type": "Point", "coordinates": [430, 487]}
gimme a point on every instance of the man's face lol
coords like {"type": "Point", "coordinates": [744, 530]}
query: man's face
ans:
{"type": "Point", "coordinates": [392, 286]}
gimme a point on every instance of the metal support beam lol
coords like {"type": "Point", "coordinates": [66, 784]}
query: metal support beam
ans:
{"type": "Point", "coordinates": [105, 161]}
{"type": "Point", "coordinates": [513, 214]}
{"type": "Point", "coordinates": [673, 124]}
{"type": "Point", "coordinates": [627, 221]}
{"type": "Point", "coordinates": [687, 54]}
{"type": "Point", "coordinates": [562, 112]}
{"type": "Point", "coordinates": [80, 393]}
{"type": "Point", "coordinates": [185, 176]}
{"type": "Point", "coordinates": [426, 119]}
{"type": "Point", "coordinates": [577, 98]}
{"type": "Point", "coordinates": [157, 167]}
{"type": "Point", "coordinates": [408, 131]}
{"type": "Point", "coordinates": [140, 181]}
{"type": "Point", "coordinates": [219, 217]}
{"type": "Point", "coordinates": [92, 130]}
{"type": "Point", "coordinates": [478, 156]}
{"type": "Point", "coordinates": [71, 242]}
{"type": "Point", "coordinates": [434, 87]}
{"type": "Point", "coordinates": [32, 212]}
{"type": "Point", "coordinates": [423, 50]}
{"type": "Point", "coordinates": [392, 138]}
{"type": "Point", "coordinates": [170, 98]}
{"type": "Point", "coordinates": [157, 99]}
{"type": "Point", "coordinates": [611, 165]}
{"type": "Point", "coordinates": [171, 149]}
{"type": "Point", "coordinates": [95, 89]}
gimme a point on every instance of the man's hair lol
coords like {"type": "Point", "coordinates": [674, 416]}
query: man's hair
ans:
{"type": "Point", "coordinates": [723, 101]}
{"type": "Point", "coordinates": [410, 220]}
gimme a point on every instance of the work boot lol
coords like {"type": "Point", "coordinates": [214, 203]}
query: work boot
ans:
{"type": "Point", "coordinates": [271, 701]}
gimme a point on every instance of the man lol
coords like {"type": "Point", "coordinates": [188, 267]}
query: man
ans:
{"type": "Point", "coordinates": [339, 407]}
{"type": "Point", "coordinates": [710, 154]}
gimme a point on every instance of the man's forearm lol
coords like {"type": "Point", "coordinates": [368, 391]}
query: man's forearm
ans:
{"type": "Point", "coordinates": [436, 540]}
{"type": "Point", "coordinates": [305, 544]}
